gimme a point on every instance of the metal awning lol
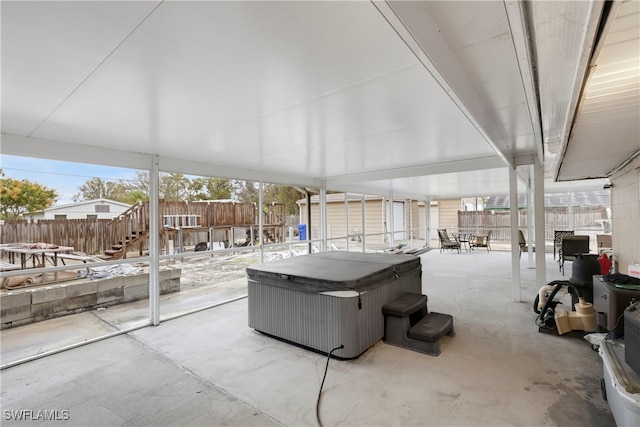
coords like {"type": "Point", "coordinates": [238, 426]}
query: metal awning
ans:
{"type": "Point", "coordinates": [416, 98]}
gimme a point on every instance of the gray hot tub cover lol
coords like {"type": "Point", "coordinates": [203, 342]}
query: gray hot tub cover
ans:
{"type": "Point", "coordinates": [334, 271]}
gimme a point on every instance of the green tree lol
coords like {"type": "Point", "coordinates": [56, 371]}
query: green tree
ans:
{"type": "Point", "coordinates": [208, 188]}
{"type": "Point", "coordinates": [24, 196]}
{"type": "Point", "coordinates": [284, 195]}
{"type": "Point", "coordinates": [171, 187]}
{"type": "Point", "coordinates": [134, 196]}
{"type": "Point", "coordinates": [174, 187]}
{"type": "Point", "coordinates": [97, 188]}
{"type": "Point", "coordinates": [139, 186]}
{"type": "Point", "coordinates": [247, 192]}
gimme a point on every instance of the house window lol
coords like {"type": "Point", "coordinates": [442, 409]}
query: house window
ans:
{"type": "Point", "coordinates": [60, 216]}
{"type": "Point", "coordinates": [102, 208]}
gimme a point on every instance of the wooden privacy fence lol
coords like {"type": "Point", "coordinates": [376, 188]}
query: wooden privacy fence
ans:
{"type": "Point", "coordinates": [213, 214]}
{"type": "Point", "coordinates": [90, 236]}
{"type": "Point", "coordinates": [586, 220]}
{"type": "Point", "coordinates": [94, 236]}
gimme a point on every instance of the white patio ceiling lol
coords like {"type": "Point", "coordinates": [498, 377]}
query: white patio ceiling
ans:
{"type": "Point", "coordinates": [419, 98]}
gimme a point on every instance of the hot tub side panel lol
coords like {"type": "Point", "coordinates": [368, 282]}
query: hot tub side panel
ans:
{"type": "Point", "coordinates": [323, 322]}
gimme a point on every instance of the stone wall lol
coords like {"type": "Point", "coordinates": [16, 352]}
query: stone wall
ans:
{"type": "Point", "coordinates": [28, 305]}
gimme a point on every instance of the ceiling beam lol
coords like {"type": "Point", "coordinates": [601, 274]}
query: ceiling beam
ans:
{"type": "Point", "coordinates": [517, 16]}
{"type": "Point", "coordinates": [430, 48]}
{"type": "Point", "coordinates": [464, 165]}
{"type": "Point", "coordinates": [24, 146]}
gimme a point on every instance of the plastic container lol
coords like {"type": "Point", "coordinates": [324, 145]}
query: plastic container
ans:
{"type": "Point", "coordinates": [302, 231]}
{"type": "Point", "coordinates": [622, 385]}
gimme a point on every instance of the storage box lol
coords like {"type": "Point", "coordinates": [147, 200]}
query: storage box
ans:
{"type": "Point", "coordinates": [609, 302]}
{"type": "Point", "coordinates": [634, 270]}
{"type": "Point", "coordinates": [622, 385]}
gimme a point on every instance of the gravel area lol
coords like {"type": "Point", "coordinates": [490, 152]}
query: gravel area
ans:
{"type": "Point", "coordinates": [211, 270]}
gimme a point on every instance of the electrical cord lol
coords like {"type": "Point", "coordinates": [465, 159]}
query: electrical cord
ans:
{"type": "Point", "coordinates": [614, 328]}
{"type": "Point", "coordinates": [322, 384]}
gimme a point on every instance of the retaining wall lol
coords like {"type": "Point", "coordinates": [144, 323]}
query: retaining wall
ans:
{"type": "Point", "coordinates": [23, 306]}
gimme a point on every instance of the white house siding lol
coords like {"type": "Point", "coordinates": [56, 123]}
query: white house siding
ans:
{"type": "Point", "coordinates": [336, 218]}
{"type": "Point", "coordinates": [448, 214]}
{"type": "Point", "coordinates": [434, 224]}
{"type": "Point", "coordinates": [375, 218]}
{"type": "Point", "coordinates": [83, 210]}
{"type": "Point", "coordinates": [412, 212]}
{"type": "Point", "coordinates": [625, 215]}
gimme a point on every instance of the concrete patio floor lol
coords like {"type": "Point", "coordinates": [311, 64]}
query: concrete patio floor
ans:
{"type": "Point", "coordinates": [210, 368]}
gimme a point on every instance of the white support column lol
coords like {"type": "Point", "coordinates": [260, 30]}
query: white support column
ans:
{"type": "Point", "coordinates": [427, 222]}
{"type": "Point", "coordinates": [515, 248]}
{"type": "Point", "coordinates": [346, 217]}
{"type": "Point", "coordinates": [410, 223]}
{"type": "Point", "coordinates": [538, 187]}
{"type": "Point", "coordinates": [260, 219]}
{"type": "Point", "coordinates": [154, 249]}
{"type": "Point", "coordinates": [570, 221]}
{"type": "Point", "coordinates": [323, 215]}
{"type": "Point", "coordinates": [383, 223]}
{"type": "Point", "coordinates": [364, 226]}
{"type": "Point", "coordinates": [530, 237]}
{"type": "Point", "coordinates": [390, 221]}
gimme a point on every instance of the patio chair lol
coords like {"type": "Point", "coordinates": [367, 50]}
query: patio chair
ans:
{"type": "Point", "coordinates": [446, 242]}
{"type": "Point", "coordinates": [482, 242]}
{"type": "Point", "coordinates": [522, 242]}
{"type": "Point", "coordinates": [557, 239]}
{"type": "Point", "coordinates": [571, 247]}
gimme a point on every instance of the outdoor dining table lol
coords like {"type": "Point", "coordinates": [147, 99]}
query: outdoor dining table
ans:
{"type": "Point", "coordinates": [27, 251]}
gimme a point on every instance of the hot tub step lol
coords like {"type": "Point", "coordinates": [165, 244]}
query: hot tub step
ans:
{"type": "Point", "coordinates": [408, 324]}
{"type": "Point", "coordinates": [405, 305]}
{"type": "Point", "coordinates": [432, 327]}
{"type": "Point", "coordinates": [410, 305]}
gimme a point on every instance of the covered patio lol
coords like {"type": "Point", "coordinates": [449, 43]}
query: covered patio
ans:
{"type": "Point", "coordinates": [210, 368]}
{"type": "Point", "coordinates": [420, 100]}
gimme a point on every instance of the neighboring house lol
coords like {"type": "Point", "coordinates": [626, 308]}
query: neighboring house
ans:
{"type": "Point", "coordinates": [87, 209]}
{"type": "Point", "coordinates": [407, 215]}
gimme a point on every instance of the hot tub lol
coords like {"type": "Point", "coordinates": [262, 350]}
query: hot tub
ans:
{"type": "Point", "coordinates": [321, 301]}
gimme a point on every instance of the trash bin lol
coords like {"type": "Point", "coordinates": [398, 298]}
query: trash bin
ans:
{"type": "Point", "coordinates": [302, 231]}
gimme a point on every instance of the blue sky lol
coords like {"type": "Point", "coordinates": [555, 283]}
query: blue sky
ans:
{"type": "Point", "coordinates": [64, 177]}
